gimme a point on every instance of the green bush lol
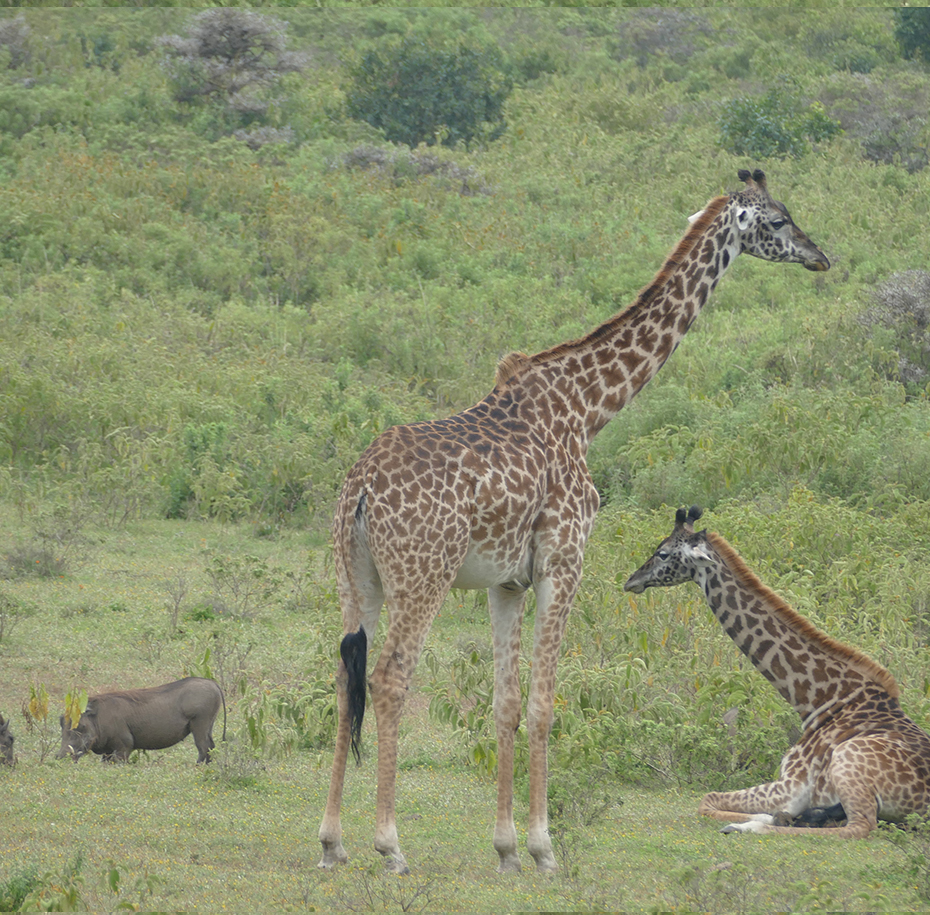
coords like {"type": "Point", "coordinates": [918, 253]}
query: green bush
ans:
{"type": "Point", "coordinates": [421, 92]}
{"type": "Point", "coordinates": [912, 29]}
{"type": "Point", "coordinates": [777, 124]}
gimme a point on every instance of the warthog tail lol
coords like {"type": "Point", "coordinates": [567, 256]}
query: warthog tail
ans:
{"type": "Point", "coordinates": [354, 651]}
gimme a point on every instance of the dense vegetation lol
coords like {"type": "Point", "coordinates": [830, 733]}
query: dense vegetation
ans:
{"type": "Point", "coordinates": [221, 275]}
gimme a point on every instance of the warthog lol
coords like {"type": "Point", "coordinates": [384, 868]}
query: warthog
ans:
{"type": "Point", "coordinates": [115, 724]}
{"type": "Point", "coordinates": [6, 742]}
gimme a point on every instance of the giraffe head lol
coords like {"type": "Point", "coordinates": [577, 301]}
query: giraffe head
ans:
{"type": "Point", "coordinates": [676, 558]}
{"type": "Point", "coordinates": [766, 228]}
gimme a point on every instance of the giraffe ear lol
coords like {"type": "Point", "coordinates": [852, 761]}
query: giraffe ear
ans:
{"type": "Point", "coordinates": [742, 219]}
{"type": "Point", "coordinates": [695, 217]}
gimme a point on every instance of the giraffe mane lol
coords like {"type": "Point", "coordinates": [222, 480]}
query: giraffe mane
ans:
{"type": "Point", "coordinates": [646, 295]}
{"type": "Point", "coordinates": [508, 366]}
{"type": "Point", "coordinates": [856, 658]}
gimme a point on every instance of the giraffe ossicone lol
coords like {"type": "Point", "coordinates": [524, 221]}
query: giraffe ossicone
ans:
{"type": "Point", "coordinates": [859, 757]}
{"type": "Point", "coordinates": [499, 497]}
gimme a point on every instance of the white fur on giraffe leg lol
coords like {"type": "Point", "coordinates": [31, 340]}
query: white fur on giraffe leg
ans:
{"type": "Point", "coordinates": [757, 824]}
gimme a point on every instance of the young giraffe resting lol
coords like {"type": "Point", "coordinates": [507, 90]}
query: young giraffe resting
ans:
{"type": "Point", "coordinates": [858, 751]}
{"type": "Point", "coordinates": [499, 497]}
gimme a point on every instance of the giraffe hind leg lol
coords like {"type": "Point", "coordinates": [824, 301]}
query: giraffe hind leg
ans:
{"type": "Point", "coordinates": [361, 598]}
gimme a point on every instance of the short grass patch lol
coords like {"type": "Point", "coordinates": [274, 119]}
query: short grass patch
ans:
{"type": "Point", "coordinates": [163, 833]}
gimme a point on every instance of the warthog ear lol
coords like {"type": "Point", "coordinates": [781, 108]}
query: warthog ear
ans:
{"type": "Point", "coordinates": [91, 709]}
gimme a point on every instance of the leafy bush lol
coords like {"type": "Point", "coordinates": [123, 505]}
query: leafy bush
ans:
{"type": "Point", "coordinates": [233, 57]}
{"type": "Point", "coordinates": [673, 34]}
{"type": "Point", "coordinates": [419, 91]}
{"type": "Point", "coordinates": [902, 307]}
{"type": "Point", "coordinates": [775, 124]}
{"type": "Point", "coordinates": [912, 29]}
{"type": "Point", "coordinates": [887, 116]}
{"type": "Point", "coordinates": [14, 41]}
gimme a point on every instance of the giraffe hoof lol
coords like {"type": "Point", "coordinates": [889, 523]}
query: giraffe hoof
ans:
{"type": "Point", "coordinates": [510, 865]}
{"type": "Point", "coordinates": [333, 855]}
{"type": "Point", "coordinates": [392, 866]}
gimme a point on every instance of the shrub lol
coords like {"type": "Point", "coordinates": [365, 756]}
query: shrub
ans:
{"type": "Point", "coordinates": [419, 92]}
{"type": "Point", "coordinates": [776, 124]}
{"type": "Point", "coordinates": [676, 35]}
{"type": "Point", "coordinates": [888, 117]}
{"type": "Point", "coordinates": [14, 40]}
{"type": "Point", "coordinates": [902, 306]}
{"type": "Point", "coordinates": [231, 56]}
{"type": "Point", "coordinates": [912, 29]}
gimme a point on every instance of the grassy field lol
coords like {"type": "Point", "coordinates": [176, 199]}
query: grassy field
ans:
{"type": "Point", "coordinates": [162, 833]}
{"type": "Point", "coordinates": [215, 848]}
{"type": "Point", "coordinates": [208, 309]}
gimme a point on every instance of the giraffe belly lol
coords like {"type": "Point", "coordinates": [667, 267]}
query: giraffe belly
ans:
{"type": "Point", "coordinates": [483, 569]}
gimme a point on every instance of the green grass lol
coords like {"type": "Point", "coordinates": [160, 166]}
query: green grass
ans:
{"type": "Point", "coordinates": [255, 849]}
{"type": "Point", "coordinates": [217, 841]}
{"type": "Point", "coordinates": [218, 849]}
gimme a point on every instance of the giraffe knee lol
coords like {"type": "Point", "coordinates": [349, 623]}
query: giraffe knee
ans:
{"type": "Point", "coordinates": [387, 689]}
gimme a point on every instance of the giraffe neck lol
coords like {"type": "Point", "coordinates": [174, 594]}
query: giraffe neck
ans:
{"type": "Point", "coordinates": [586, 382]}
{"type": "Point", "coordinates": [811, 671]}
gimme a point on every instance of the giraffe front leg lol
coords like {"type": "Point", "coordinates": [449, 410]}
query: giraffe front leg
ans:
{"type": "Point", "coordinates": [555, 592]}
{"type": "Point", "coordinates": [753, 809]}
{"type": "Point", "coordinates": [538, 725]}
{"type": "Point", "coordinates": [506, 609]}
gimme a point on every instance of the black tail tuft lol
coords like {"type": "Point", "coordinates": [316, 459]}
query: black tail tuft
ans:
{"type": "Point", "coordinates": [354, 651]}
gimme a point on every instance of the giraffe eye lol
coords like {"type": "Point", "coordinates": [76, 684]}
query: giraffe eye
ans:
{"type": "Point", "coordinates": [777, 224]}
{"type": "Point", "coordinates": [663, 555]}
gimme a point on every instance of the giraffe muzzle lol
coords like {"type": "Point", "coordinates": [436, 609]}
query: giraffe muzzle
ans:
{"type": "Point", "coordinates": [819, 264]}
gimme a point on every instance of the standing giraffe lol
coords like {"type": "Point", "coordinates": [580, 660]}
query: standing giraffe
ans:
{"type": "Point", "coordinates": [859, 755]}
{"type": "Point", "coordinates": [499, 497]}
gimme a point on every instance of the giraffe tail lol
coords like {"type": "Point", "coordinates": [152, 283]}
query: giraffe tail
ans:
{"type": "Point", "coordinates": [354, 652]}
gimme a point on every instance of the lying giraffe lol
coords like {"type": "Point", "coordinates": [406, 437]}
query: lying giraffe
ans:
{"type": "Point", "coordinates": [499, 497]}
{"type": "Point", "coordinates": [859, 755]}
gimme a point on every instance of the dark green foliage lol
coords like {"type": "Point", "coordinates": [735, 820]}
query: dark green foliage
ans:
{"type": "Point", "coordinates": [776, 124]}
{"type": "Point", "coordinates": [912, 29]}
{"type": "Point", "coordinates": [420, 91]}
{"type": "Point", "coordinates": [15, 890]}
{"type": "Point", "coordinates": [208, 328]}
{"type": "Point", "coordinates": [34, 560]}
